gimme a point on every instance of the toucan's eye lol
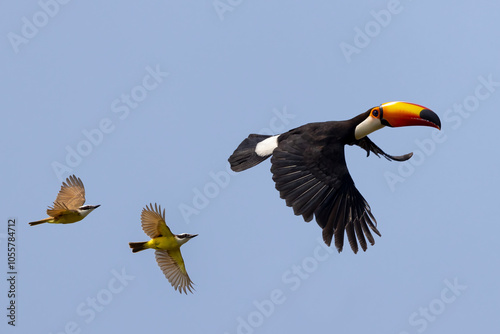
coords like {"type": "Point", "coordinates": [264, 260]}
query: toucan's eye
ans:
{"type": "Point", "coordinates": [375, 112]}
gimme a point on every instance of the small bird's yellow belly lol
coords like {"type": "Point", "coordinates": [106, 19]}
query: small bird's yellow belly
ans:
{"type": "Point", "coordinates": [67, 218]}
{"type": "Point", "coordinates": [163, 243]}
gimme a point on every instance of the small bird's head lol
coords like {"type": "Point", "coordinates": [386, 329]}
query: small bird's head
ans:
{"type": "Point", "coordinates": [396, 114]}
{"type": "Point", "coordinates": [184, 237]}
{"type": "Point", "coordinates": [84, 210]}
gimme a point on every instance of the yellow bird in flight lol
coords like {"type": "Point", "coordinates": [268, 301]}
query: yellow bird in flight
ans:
{"type": "Point", "coordinates": [167, 247]}
{"type": "Point", "coordinates": [68, 207]}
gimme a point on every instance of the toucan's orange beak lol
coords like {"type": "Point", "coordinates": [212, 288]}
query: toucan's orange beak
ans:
{"type": "Point", "coordinates": [397, 114]}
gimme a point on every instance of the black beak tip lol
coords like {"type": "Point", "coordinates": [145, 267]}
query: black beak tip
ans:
{"type": "Point", "coordinates": [96, 206]}
{"type": "Point", "coordinates": [431, 116]}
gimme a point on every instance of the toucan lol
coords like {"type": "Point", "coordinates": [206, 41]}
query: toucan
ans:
{"type": "Point", "coordinates": [310, 172]}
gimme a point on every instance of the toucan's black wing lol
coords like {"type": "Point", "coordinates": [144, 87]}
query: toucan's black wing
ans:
{"type": "Point", "coordinates": [366, 144]}
{"type": "Point", "coordinates": [312, 176]}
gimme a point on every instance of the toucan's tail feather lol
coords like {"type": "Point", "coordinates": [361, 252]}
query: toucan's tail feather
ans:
{"type": "Point", "coordinates": [137, 246]}
{"type": "Point", "coordinates": [244, 156]}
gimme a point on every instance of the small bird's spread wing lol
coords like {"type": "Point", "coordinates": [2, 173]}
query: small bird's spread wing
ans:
{"type": "Point", "coordinates": [312, 176]}
{"type": "Point", "coordinates": [172, 265]}
{"type": "Point", "coordinates": [70, 197]}
{"type": "Point", "coordinates": [58, 209]}
{"type": "Point", "coordinates": [153, 222]}
{"type": "Point", "coordinates": [369, 146]}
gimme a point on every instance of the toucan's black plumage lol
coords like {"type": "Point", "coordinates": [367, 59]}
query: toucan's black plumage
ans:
{"type": "Point", "coordinates": [310, 171]}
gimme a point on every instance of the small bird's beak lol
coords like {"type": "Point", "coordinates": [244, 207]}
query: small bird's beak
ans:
{"type": "Point", "coordinates": [193, 235]}
{"type": "Point", "coordinates": [96, 206]}
{"type": "Point", "coordinates": [396, 114]}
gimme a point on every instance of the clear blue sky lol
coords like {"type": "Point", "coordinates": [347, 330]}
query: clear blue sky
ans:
{"type": "Point", "coordinates": [145, 101]}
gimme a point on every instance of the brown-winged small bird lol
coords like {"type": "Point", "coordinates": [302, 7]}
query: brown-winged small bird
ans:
{"type": "Point", "coordinates": [68, 207]}
{"type": "Point", "coordinates": [167, 247]}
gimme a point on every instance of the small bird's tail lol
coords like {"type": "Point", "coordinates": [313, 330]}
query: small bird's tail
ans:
{"type": "Point", "coordinates": [40, 221]}
{"type": "Point", "coordinates": [245, 156]}
{"type": "Point", "coordinates": [137, 246]}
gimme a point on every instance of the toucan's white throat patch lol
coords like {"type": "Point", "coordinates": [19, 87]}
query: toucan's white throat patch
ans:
{"type": "Point", "coordinates": [367, 126]}
{"type": "Point", "coordinates": [267, 146]}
